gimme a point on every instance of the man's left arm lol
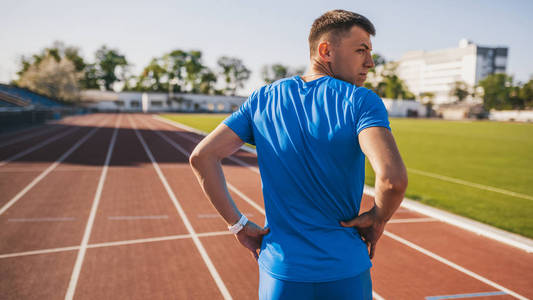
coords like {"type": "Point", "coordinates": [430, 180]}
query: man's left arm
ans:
{"type": "Point", "coordinates": [205, 161]}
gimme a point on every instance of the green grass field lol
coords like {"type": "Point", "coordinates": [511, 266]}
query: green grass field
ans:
{"type": "Point", "coordinates": [481, 170]}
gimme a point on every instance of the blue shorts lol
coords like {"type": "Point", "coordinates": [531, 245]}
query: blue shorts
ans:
{"type": "Point", "coordinates": [358, 287]}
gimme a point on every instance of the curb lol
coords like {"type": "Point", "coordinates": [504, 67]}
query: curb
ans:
{"type": "Point", "coordinates": [479, 228]}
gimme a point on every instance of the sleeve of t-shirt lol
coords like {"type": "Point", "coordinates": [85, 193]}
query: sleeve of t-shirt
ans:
{"type": "Point", "coordinates": [240, 122]}
{"type": "Point", "coordinates": [371, 113]}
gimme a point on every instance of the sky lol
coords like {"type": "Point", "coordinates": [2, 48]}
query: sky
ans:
{"type": "Point", "coordinates": [257, 32]}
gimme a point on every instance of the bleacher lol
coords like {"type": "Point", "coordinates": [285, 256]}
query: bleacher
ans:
{"type": "Point", "coordinates": [32, 98]}
{"type": "Point", "coordinates": [20, 107]}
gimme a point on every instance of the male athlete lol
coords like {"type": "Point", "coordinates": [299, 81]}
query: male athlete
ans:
{"type": "Point", "coordinates": [312, 133]}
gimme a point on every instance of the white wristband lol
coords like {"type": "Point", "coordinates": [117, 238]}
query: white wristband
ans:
{"type": "Point", "coordinates": [239, 225]}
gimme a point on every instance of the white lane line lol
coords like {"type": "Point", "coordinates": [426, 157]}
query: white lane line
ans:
{"type": "Point", "coordinates": [120, 218]}
{"type": "Point", "coordinates": [196, 240]}
{"type": "Point", "coordinates": [59, 219]}
{"type": "Point", "coordinates": [41, 251]}
{"type": "Point", "coordinates": [412, 220]}
{"type": "Point", "coordinates": [493, 233]}
{"type": "Point", "coordinates": [453, 265]}
{"type": "Point", "coordinates": [230, 186]}
{"type": "Point", "coordinates": [377, 296]}
{"type": "Point", "coordinates": [117, 243]}
{"type": "Point", "coordinates": [83, 247]}
{"type": "Point", "coordinates": [49, 169]}
{"type": "Point", "coordinates": [28, 136]}
{"type": "Point", "coordinates": [40, 145]}
{"type": "Point", "coordinates": [471, 184]}
{"type": "Point", "coordinates": [424, 251]}
{"type": "Point", "coordinates": [216, 216]}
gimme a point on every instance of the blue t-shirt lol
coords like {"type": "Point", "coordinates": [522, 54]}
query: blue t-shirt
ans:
{"type": "Point", "coordinates": [312, 173]}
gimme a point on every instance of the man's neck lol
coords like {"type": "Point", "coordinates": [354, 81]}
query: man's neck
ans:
{"type": "Point", "coordinates": [316, 70]}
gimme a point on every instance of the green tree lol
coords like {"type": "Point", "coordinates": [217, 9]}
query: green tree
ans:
{"type": "Point", "coordinates": [460, 90]}
{"type": "Point", "coordinates": [499, 93]}
{"type": "Point", "coordinates": [526, 94]}
{"type": "Point", "coordinates": [234, 72]}
{"type": "Point", "coordinates": [153, 78]}
{"type": "Point", "coordinates": [274, 72]}
{"type": "Point", "coordinates": [108, 66]}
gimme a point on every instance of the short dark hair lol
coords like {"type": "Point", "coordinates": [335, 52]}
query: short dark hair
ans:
{"type": "Point", "coordinates": [337, 23]}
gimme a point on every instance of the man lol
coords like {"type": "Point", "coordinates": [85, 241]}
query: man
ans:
{"type": "Point", "coordinates": [312, 134]}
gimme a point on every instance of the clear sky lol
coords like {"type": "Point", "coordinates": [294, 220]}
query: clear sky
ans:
{"type": "Point", "coordinates": [259, 33]}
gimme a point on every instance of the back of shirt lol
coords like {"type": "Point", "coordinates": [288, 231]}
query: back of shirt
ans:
{"type": "Point", "coordinates": [312, 172]}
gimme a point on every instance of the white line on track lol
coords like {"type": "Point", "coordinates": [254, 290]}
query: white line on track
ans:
{"type": "Point", "coordinates": [59, 219]}
{"type": "Point", "coordinates": [121, 218]}
{"type": "Point", "coordinates": [117, 243]}
{"type": "Point", "coordinates": [41, 144]}
{"type": "Point", "coordinates": [196, 240]}
{"type": "Point", "coordinates": [28, 136]}
{"type": "Point", "coordinates": [412, 220]}
{"type": "Point", "coordinates": [391, 235]}
{"type": "Point", "coordinates": [83, 247]}
{"type": "Point", "coordinates": [453, 265]}
{"type": "Point", "coordinates": [49, 169]}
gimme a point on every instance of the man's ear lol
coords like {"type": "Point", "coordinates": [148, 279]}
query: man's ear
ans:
{"type": "Point", "coordinates": [324, 51]}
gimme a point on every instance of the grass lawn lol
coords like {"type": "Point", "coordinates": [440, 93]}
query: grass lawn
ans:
{"type": "Point", "coordinates": [481, 170]}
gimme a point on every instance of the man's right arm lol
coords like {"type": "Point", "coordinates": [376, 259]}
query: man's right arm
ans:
{"type": "Point", "coordinates": [378, 144]}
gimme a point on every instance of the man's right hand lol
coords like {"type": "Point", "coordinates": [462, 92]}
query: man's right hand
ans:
{"type": "Point", "coordinates": [370, 225]}
{"type": "Point", "coordinates": [251, 237]}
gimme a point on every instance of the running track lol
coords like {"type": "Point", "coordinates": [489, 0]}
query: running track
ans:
{"type": "Point", "coordinates": [106, 207]}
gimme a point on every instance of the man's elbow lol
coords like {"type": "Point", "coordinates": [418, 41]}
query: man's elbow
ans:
{"type": "Point", "coordinates": [397, 182]}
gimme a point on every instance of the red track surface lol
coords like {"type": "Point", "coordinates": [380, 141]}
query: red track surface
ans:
{"type": "Point", "coordinates": [123, 230]}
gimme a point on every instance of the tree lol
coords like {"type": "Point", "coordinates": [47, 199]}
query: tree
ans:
{"type": "Point", "coordinates": [272, 73]}
{"type": "Point", "coordinates": [152, 77]}
{"type": "Point", "coordinates": [234, 72]}
{"type": "Point", "coordinates": [526, 94]}
{"type": "Point", "coordinates": [108, 67]}
{"type": "Point", "coordinates": [57, 80]}
{"type": "Point", "coordinates": [460, 90]}
{"type": "Point", "coordinates": [497, 92]}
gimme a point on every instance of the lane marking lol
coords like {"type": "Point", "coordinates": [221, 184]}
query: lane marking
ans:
{"type": "Point", "coordinates": [120, 218]}
{"type": "Point", "coordinates": [41, 251]}
{"type": "Point", "coordinates": [453, 265]}
{"type": "Point", "coordinates": [471, 184]}
{"type": "Point", "coordinates": [117, 243]}
{"type": "Point", "coordinates": [488, 231]}
{"type": "Point", "coordinates": [49, 169]}
{"type": "Point", "coordinates": [216, 216]}
{"type": "Point", "coordinates": [471, 295]}
{"type": "Point", "coordinates": [413, 220]}
{"type": "Point", "coordinates": [59, 219]}
{"type": "Point", "coordinates": [196, 240]}
{"type": "Point", "coordinates": [40, 145]}
{"type": "Point", "coordinates": [377, 296]}
{"type": "Point", "coordinates": [83, 247]}
{"type": "Point", "coordinates": [28, 136]}
{"type": "Point", "coordinates": [424, 251]}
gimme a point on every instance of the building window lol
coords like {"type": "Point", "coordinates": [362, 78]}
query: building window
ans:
{"type": "Point", "coordinates": [211, 106]}
{"type": "Point", "coordinates": [135, 103]}
{"type": "Point", "coordinates": [156, 103]}
{"type": "Point", "coordinates": [119, 103]}
{"type": "Point", "coordinates": [220, 106]}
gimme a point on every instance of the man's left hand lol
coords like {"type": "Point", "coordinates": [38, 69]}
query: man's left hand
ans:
{"type": "Point", "coordinates": [251, 237]}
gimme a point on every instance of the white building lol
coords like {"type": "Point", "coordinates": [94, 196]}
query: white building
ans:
{"type": "Point", "coordinates": [158, 102]}
{"type": "Point", "coordinates": [437, 71]}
